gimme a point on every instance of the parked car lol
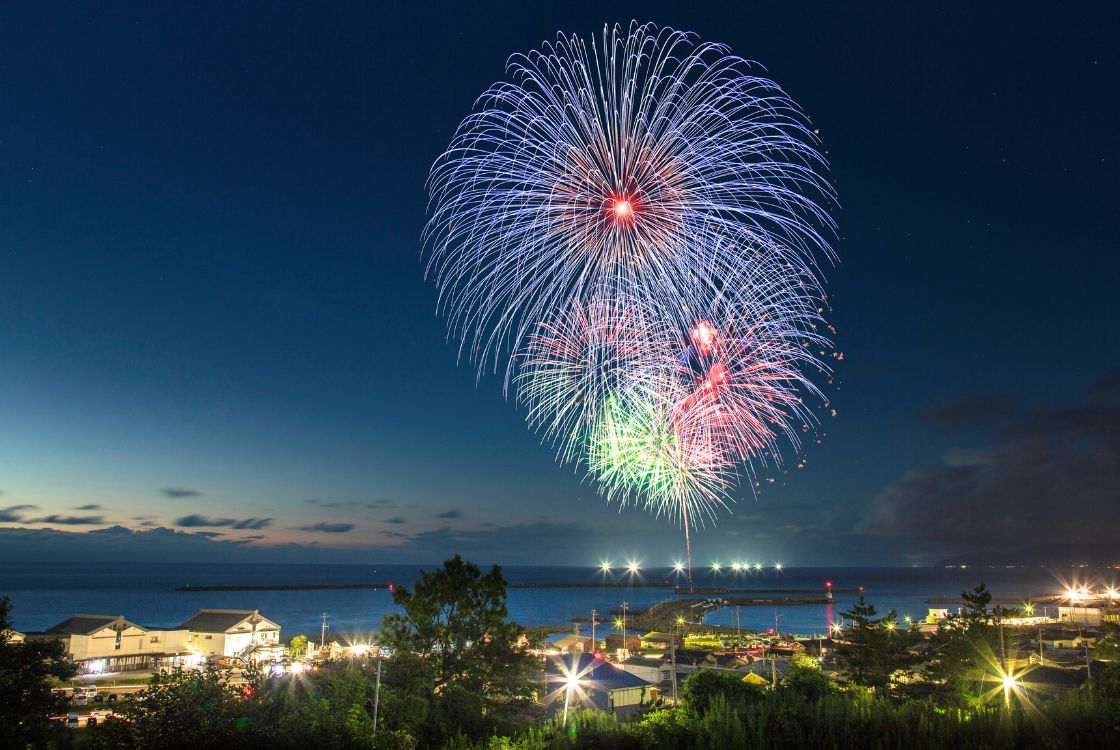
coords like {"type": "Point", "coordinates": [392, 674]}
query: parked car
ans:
{"type": "Point", "coordinates": [72, 720]}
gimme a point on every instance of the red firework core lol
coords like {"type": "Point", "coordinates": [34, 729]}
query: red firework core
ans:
{"type": "Point", "coordinates": [622, 208]}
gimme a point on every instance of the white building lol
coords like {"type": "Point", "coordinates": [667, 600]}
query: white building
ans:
{"type": "Point", "coordinates": [1080, 615]}
{"type": "Point", "coordinates": [230, 633]}
{"type": "Point", "coordinates": [110, 643]}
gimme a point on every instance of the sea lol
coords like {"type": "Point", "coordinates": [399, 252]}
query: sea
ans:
{"type": "Point", "coordinates": [43, 594]}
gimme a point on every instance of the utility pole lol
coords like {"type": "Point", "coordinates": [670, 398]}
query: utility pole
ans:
{"type": "Point", "coordinates": [738, 629]}
{"type": "Point", "coordinates": [594, 643]}
{"type": "Point", "coordinates": [377, 689]}
{"type": "Point", "coordinates": [773, 656]}
{"type": "Point", "coordinates": [323, 633]}
{"type": "Point", "coordinates": [673, 652]}
{"type": "Point", "coordinates": [1041, 659]}
{"type": "Point", "coordinates": [1088, 661]}
{"type": "Point", "coordinates": [624, 606]}
{"type": "Point", "coordinates": [1002, 649]}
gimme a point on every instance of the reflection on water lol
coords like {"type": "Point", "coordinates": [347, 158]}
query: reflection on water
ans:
{"type": "Point", "coordinates": [44, 594]}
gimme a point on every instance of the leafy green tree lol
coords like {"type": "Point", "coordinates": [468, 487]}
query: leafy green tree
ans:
{"type": "Point", "coordinates": [186, 709]}
{"type": "Point", "coordinates": [26, 673]}
{"type": "Point", "coordinates": [297, 647]}
{"type": "Point", "coordinates": [873, 648]}
{"type": "Point", "coordinates": [407, 694]}
{"type": "Point", "coordinates": [1108, 647]}
{"type": "Point", "coordinates": [964, 652]}
{"type": "Point", "coordinates": [456, 618]}
{"type": "Point", "coordinates": [703, 687]}
{"type": "Point", "coordinates": [807, 679]}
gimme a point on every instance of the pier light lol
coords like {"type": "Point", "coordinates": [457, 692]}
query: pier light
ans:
{"type": "Point", "coordinates": [758, 567]}
{"type": "Point", "coordinates": [1077, 593]}
{"type": "Point", "coordinates": [632, 568]}
{"type": "Point", "coordinates": [736, 567]}
{"type": "Point", "coordinates": [678, 567]}
{"type": "Point", "coordinates": [715, 567]}
{"type": "Point", "coordinates": [778, 567]}
{"type": "Point", "coordinates": [605, 566]}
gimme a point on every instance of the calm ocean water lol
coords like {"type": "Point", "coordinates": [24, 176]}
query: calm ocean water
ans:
{"type": "Point", "coordinates": [44, 594]}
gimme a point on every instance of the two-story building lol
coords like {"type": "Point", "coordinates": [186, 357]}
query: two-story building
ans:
{"type": "Point", "coordinates": [231, 633]}
{"type": "Point", "coordinates": [110, 643]}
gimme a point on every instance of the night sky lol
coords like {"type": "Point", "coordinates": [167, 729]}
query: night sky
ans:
{"type": "Point", "coordinates": [216, 341]}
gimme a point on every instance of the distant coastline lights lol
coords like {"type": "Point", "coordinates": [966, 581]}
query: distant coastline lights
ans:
{"type": "Point", "coordinates": [634, 567]}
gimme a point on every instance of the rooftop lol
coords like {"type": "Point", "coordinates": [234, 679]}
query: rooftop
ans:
{"type": "Point", "coordinates": [84, 624]}
{"type": "Point", "coordinates": [592, 672]}
{"type": "Point", "coordinates": [222, 620]}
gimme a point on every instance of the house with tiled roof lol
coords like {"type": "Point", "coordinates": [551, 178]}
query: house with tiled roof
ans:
{"type": "Point", "coordinates": [587, 681]}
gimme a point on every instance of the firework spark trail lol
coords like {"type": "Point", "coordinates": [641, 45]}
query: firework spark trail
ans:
{"type": "Point", "coordinates": [628, 228]}
{"type": "Point", "coordinates": [580, 358]}
{"type": "Point", "coordinates": [631, 163]}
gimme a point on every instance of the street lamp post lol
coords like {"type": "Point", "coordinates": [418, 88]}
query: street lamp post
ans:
{"type": "Point", "coordinates": [377, 690]}
{"type": "Point", "coordinates": [573, 679]}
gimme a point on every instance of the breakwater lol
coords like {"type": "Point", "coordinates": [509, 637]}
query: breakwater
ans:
{"type": "Point", "coordinates": [386, 586]}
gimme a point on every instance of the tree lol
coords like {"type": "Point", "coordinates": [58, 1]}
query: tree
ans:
{"type": "Point", "coordinates": [297, 647]}
{"type": "Point", "coordinates": [455, 618]}
{"type": "Point", "coordinates": [1108, 648]}
{"type": "Point", "coordinates": [874, 648]}
{"type": "Point", "coordinates": [188, 710]}
{"type": "Point", "coordinates": [965, 650]}
{"type": "Point", "coordinates": [702, 689]}
{"type": "Point", "coordinates": [807, 679]}
{"type": "Point", "coordinates": [26, 672]}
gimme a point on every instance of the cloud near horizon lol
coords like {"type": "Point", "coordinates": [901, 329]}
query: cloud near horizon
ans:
{"type": "Point", "coordinates": [535, 543]}
{"type": "Point", "coordinates": [1047, 476]}
{"type": "Point", "coordinates": [329, 528]}
{"type": "Point", "coordinates": [70, 520]}
{"type": "Point", "coordinates": [196, 520]}
{"type": "Point", "coordinates": [14, 513]}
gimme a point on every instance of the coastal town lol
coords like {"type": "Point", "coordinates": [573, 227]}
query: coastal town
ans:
{"type": "Point", "coordinates": [627, 661]}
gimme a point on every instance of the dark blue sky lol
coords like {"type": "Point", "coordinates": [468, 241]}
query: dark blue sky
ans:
{"type": "Point", "coordinates": [212, 306]}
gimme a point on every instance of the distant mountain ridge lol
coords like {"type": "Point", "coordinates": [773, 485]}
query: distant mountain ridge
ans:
{"type": "Point", "coordinates": [1047, 555]}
